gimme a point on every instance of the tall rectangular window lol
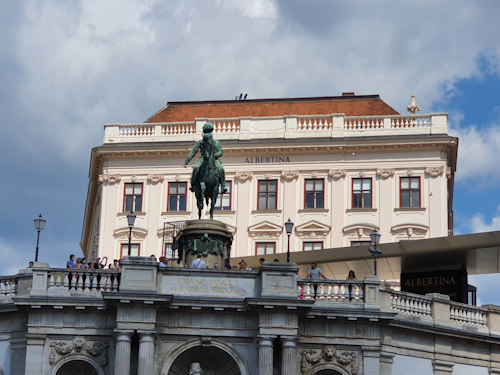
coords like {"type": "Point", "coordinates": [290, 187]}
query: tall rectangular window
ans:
{"type": "Point", "coordinates": [177, 196]}
{"type": "Point", "coordinates": [224, 199]}
{"type": "Point", "coordinates": [268, 193]}
{"type": "Point", "coordinates": [135, 249]}
{"type": "Point", "coordinates": [361, 193]}
{"type": "Point", "coordinates": [265, 248]}
{"type": "Point", "coordinates": [133, 197]}
{"type": "Point", "coordinates": [312, 245]}
{"type": "Point", "coordinates": [410, 191]}
{"type": "Point", "coordinates": [314, 193]}
{"type": "Point", "coordinates": [169, 253]}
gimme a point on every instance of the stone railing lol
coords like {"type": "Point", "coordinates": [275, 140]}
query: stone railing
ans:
{"type": "Point", "coordinates": [8, 286]}
{"type": "Point", "coordinates": [329, 126]}
{"type": "Point", "coordinates": [332, 290]}
{"type": "Point", "coordinates": [84, 281]}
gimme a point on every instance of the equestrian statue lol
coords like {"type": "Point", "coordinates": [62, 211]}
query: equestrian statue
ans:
{"type": "Point", "coordinates": [208, 172]}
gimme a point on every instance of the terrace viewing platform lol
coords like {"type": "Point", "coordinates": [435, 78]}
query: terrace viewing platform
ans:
{"type": "Point", "coordinates": [275, 285]}
{"type": "Point", "coordinates": [280, 127]}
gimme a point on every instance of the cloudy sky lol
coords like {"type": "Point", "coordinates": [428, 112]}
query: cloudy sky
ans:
{"type": "Point", "coordinates": [67, 68]}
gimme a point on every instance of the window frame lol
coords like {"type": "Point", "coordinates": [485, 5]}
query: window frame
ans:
{"type": "Point", "coordinates": [220, 198]}
{"type": "Point", "coordinates": [409, 190]}
{"type": "Point", "coordinates": [360, 243]}
{"type": "Point", "coordinates": [169, 208]}
{"type": "Point", "coordinates": [125, 246]}
{"type": "Point", "coordinates": [267, 192]}
{"type": "Point", "coordinates": [266, 243]}
{"type": "Point", "coordinates": [314, 192]}
{"type": "Point", "coordinates": [361, 192]}
{"type": "Point", "coordinates": [313, 243]}
{"type": "Point", "coordinates": [133, 195]}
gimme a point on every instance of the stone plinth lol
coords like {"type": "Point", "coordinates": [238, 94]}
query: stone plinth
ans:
{"type": "Point", "coordinates": [211, 238]}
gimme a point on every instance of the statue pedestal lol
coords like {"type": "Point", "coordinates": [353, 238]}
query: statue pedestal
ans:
{"type": "Point", "coordinates": [211, 238]}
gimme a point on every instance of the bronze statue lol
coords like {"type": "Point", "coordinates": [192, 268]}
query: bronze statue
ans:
{"type": "Point", "coordinates": [208, 172]}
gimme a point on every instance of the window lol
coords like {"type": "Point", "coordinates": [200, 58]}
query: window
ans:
{"type": "Point", "coordinates": [169, 253]}
{"type": "Point", "coordinates": [361, 193]}
{"type": "Point", "coordinates": [177, 196]}
{"type": "Point", "coordinates": [360, 243]}
{"type": "Point", "coordinates": [134, 250]}
{"type": "Point", "coordinates": [133, 197]}
{"type": "Point", "coordinates": [313, 245]}
{"type": "Point", "coordinates": [314, 193]}
{"type": "Point", "coordinates": [410, 191]}
{"type": "Point", "coordinates": [224, 199]}
{"type": "Point", "coordinates": [265, 248]}
{"type": "Point", "coordinates": [268, 191]}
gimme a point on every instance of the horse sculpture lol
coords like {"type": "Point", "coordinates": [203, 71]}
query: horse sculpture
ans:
{"type": "Point", "coordinates": [208, 173]}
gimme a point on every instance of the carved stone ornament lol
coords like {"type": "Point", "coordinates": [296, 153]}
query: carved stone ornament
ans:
{"type": "Point", "coordinates": [409, 232]}
{"type": "Point", "coordinates": [178, 178]}
{"type": "Point", "coordinates": [314, 174]}
{"type": "Point", "coordinates": [385, 173]}
{"type": "Point", "coordinates": [448, 172]}
{"type": "Point", "coordinates": [265, 235]}
{"type": "Point", "coordinates": [243, 176]}
{"type": "Point", "coordinates": [79, 345]}
{"type": "Point", "coordinates": [409, 172]}
{"type": "Point", "coordinates": [155, 178]}
{"type": "Point", "coordinates": [362, 174]}
{"type": "Point", "coordinates": [110, 179]}
{"type": "Point", "coordinates": [133, 179]}
{"type": "Point", "coordinates": [310, 358]}
{"type": "Point", "coordinates": [267, 175]}
{"type": "Point", "coordinates": [434, 171]}
{"type": "Point", "coordinates": [289, 175]}
{"type": "Point", "coordinates": [337, 174]}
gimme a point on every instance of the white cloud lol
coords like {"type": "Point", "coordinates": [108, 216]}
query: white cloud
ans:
{"type": "Point", "coordinates": [479, 224]}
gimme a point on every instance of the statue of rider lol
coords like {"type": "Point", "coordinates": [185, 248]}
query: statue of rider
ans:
{"type": "Point", "coordinates": [208, 147]}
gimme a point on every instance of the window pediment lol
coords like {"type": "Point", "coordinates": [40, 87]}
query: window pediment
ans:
{"type": "Point", "coordinates": [138, 233]}
{"type": "Point", "coordinates": [409, 231]}
{"type": "Point", "coordinates": [265, 230]}
{"type": "Point", "coordinates": [312, 229]}
{"type": "Point", "coordinates": [359, 230]}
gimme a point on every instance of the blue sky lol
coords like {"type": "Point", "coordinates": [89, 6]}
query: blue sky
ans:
{"type": "Point", "coordinates": [67, 68]}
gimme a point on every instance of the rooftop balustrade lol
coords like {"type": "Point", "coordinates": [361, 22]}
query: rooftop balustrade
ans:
{"type": "Point", "coordinates": [275, 281]}
{"type": "Point", "coordinates": [322, 126]}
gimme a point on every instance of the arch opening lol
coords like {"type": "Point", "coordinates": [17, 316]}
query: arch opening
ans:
{"type": "Point", "coordinates": [77, 367]}
{"type": "Point", "coordinates": [212, 360]}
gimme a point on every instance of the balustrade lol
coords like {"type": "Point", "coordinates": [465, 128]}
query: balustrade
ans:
{"type": "Point", "coordinates": [363, 123]}
{"type": "Point", "coordinates": [8, 286]}
{"type": "Point", "coordinates": [83, 281]}
{"type": "Point", "coordinates": [468, 315]}
{"type": "Point", "coordinates": [312, 123]}
{"type": "Point", "coordinates": [332, 290]}
{"type": "Point", "coordinates": [411, 304]}
{"type": "Point", "coordinates": [178, 128]}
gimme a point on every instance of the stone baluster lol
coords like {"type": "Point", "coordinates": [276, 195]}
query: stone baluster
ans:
{"type": "Point", "coordinates": [289, 355]}
{"type": "Point", "coordinates": [266, 355]}
{"type": "Point", "coordinates": [122, 355]}
{"type": "Point", "coordinates": [146, 353]}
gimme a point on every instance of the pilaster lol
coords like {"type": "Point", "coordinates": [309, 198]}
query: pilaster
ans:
{"type": "Point", "coordinates": [289, 355]}
{"type": "Point", "coordinates": [371, 362]}
{"type": "Point", "coordinates": [122, 352]}
{"type": "Point", "coordinates": [34, 353]}
{"type": "Point", "coordinates": [266, 355]}
{"type": "Point", "coordinates": [386, 361]}
{"type": "Point", "coordinates": [146, 353]}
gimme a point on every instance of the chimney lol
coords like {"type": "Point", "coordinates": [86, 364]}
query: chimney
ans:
{"type": "Point", "coordinates": [348, 94]}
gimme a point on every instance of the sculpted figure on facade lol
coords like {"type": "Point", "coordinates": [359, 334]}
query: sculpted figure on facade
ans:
{"type": "Point", "coordinates": [328, 355]}
{"type": "Point", "coordinates": [208, 172]}
{"type": "Point", "coordinates": [195, 369]}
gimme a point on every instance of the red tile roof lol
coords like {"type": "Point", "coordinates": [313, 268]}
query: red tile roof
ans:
{"type": "Point", "coordinates": [350, 105]}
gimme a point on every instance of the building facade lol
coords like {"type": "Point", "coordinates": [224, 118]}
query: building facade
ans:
{"type": "Point", "coordinates": [338, 167]}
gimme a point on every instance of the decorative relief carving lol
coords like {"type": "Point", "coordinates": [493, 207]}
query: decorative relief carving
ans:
{"type": "Point", "coordinates": [155, 178]}
{"type": "Point", "coordinates": [448, 172]}
{"type": "Point", "coordinates": [267, 175]}
{"type": "Point", "coordinates": [289, 175]}
{"type": "Point", "coordinates": [409, 172]}
{"type": "Point", "coordinates": [359, 232]}
{"type": "Point", "coordinates": [362, 174]}
{"type": "Point", "coordinates": [134, 179]}
{"type": "Point", "coordinates": [265, 235]}
{"type": "Point", "coordinates": [243, 176]}
{"type": "Point", "coordinates": [337, 174]}
{"type": "Point", "coordinates": [79, 345]}
{"type": "Point", "coordinates": [314, 174]}
{"type": "Point", "coordinates": [385, 173]}
{"type": "Point", "coordinates": [110, 179]}
{"type": "Point", "coordinates": [177, 178]}
{"type": "Point", "coordinates": [311, 358]}
{"type": "Point", "coordinates": [409, 232]}
{"type": "Point", "coordinates": [434, 171]}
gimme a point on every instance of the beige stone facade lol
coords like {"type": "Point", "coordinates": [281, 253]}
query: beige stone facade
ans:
{"type": "Point", "coordinates": [337, 176]}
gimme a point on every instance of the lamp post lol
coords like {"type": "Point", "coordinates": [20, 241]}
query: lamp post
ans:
{"type": "Point", "coordinates": [375, 238]}
{"type": "Point", "coordinates": [39, 224]}
{"type": "Point", "coordinates": [288, 228]}
{"type": "Point", "coordinates": [131, 220]}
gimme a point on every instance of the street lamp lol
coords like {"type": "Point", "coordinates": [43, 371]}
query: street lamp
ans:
{"type": "Point", "coordinates": [131, 220]}
{"type": "Point", "coordinates": [288, 228]}
{"type": "Point", "coordinates": [375, 238]}
{"type": "Point", "coordinates": [39, 224]}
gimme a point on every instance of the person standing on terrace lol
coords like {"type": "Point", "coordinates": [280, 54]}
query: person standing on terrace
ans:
{"type": "Point", "coordinates": [315, 274]}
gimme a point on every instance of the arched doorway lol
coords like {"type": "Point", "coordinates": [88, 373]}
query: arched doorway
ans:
{"type": "Point", "coordinates": [213, 361]}
{"type": "Point", "coordinates": [327, 372]}
{"type": "Point", "coordinates": [77, 367]}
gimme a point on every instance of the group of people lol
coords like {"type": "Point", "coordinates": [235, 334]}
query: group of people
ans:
{"type": "Point", "coordinates": [98, 264]}
{"type": "Point", "coordinates": [315, 274]}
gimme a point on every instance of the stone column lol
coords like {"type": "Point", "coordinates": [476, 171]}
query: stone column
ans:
{"type": "Point", "coordinates": [146, 353]}
{"type": "Point", "coordinates": [442, 367]}
{"type": "Point", "coordinates": [386, 361]}
{"type": "Point", "coordinates": [265, 355]}
{"type": "Point", "coordinates": [289, 355]}
{"type": "Point", "coordinates": [122, 352]}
